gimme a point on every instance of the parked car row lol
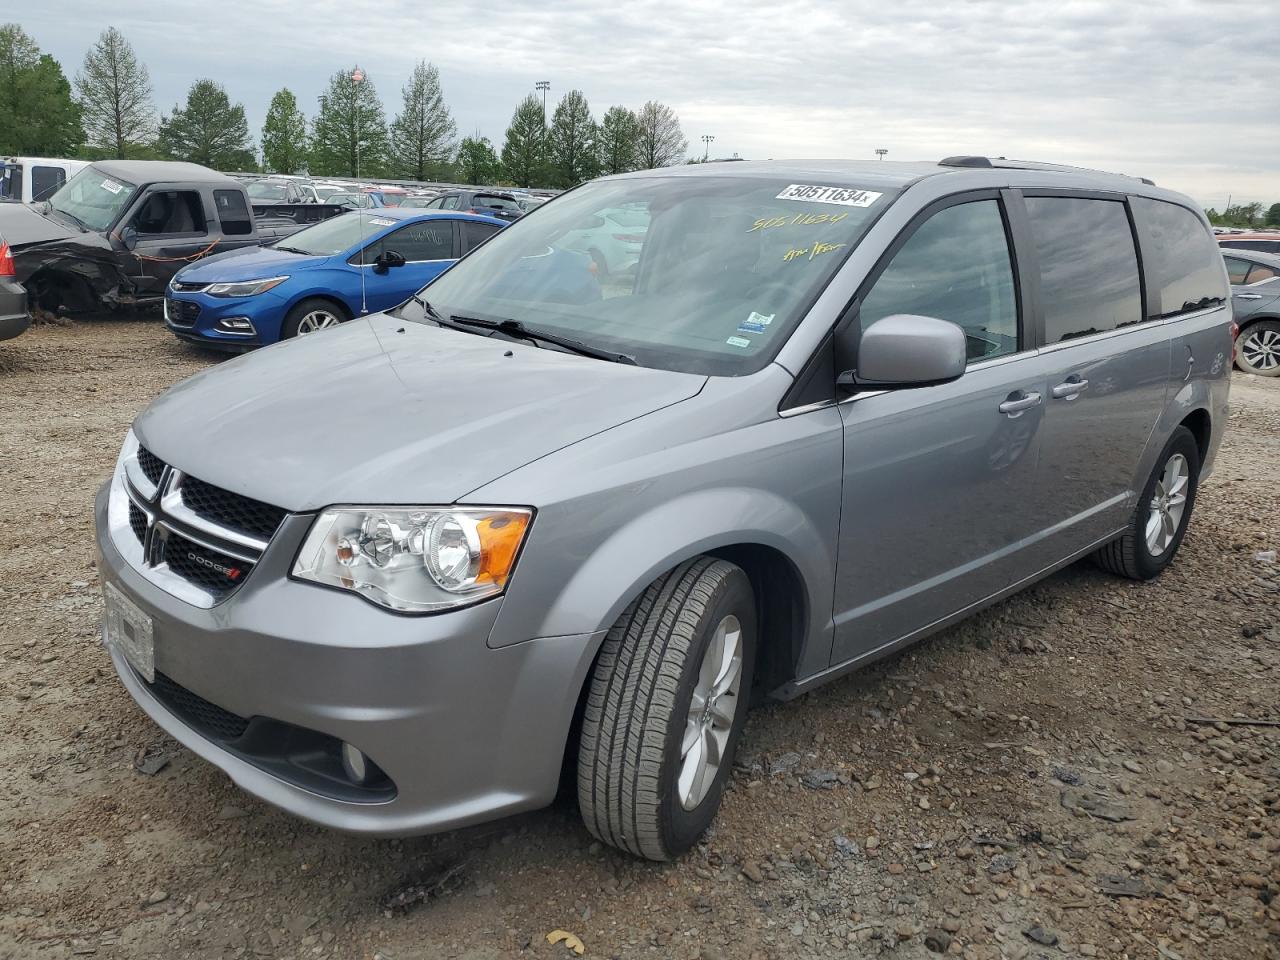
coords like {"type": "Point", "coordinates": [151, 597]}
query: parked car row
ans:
{"type": "Point", "coordinates": [1255, 300]}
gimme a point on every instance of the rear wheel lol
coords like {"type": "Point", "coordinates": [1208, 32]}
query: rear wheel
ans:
{"type": "Point", "coordinates": [666, 706]}
{"type": "Point", "coordinates": [1258, 348]}
{"type": "Point", "coordinates": [1160, 520]}
{"type": "Point", "coordinates": [312, 316]}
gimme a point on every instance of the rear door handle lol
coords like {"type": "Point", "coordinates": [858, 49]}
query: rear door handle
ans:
{"type": "Point", "coordinates": [1070, 389]}
{"type": "Point", "coordinates": [1014, 406]}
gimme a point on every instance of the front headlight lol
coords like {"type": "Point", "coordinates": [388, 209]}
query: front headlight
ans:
{"type": "Point", "coordinates": [415, 559]}
{"type": "Point", "coordinates": [243, 288]}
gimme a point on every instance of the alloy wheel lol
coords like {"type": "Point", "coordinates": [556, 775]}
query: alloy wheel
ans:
{"type": "Point", "coordinates": [1168, 503]}
{"type": "Point", "coordinates": [316, 320]}
{"type": "Point", "coordinates": [1261, 349]}
{"type": "Point", "coordinates": [711, 711]}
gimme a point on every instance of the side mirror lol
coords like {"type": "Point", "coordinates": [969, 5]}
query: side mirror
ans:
{"type": "Point", "coordinates": [904, 350]}
{"type": "Point", "coordinates": [388, 260]}
{"type": "Point", "coordinates": [129, 237]}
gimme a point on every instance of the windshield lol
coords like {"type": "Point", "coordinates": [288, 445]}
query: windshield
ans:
{"type": "Point", "coordinates": [333, 236]}
{"type": "Point", "coordinates": [93, 198]}
{"type": "Point", "coordinates": [262, 190]}
{"type": "Point", "coordinates": [329, 191]}
{"type": "Point", "coordinates": [693, 273]}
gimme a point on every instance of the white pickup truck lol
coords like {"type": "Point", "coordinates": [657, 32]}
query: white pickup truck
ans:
{"type": "Point", "coordinates": [32, 179]}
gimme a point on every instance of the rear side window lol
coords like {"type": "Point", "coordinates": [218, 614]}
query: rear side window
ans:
{"type": "Point", "coordinates": [956, 267]}
{"type": "Point", "coordinates": [233, 213]}
{"type": "Point", "coordinates": [1088, 266]}
{"type": "Point", "coordinates": [474, 234]}
{"type": "Point", "coordinates": [495, 203]}
{"type": "Point", "coordinates": [1262, 246]}
{"type": "Point", "coordinates": [449, 203]}
{"type": "Point", "coordinates": [45, 181]}
{"type": "Point", "coordinates": [1181, 255]}
{"type": "Point", "coordinates": [1260, 273]}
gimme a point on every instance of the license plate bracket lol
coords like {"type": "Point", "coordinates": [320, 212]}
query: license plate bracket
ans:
{"type": "Point", "coordinates": [125, 627]}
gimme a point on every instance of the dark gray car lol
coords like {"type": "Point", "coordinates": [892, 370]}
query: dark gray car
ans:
{"type": "Point", "coordinates": [14, 314]}
{"type": "Point", "coordinates": [1255, 298]}
{"type": "Point", "coordinates": [390, 577]}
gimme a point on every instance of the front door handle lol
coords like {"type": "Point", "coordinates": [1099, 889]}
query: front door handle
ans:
{"type": "Point", "coordinates": [1015, 405]}
{"type": "Point", "coordinates": [1070, 389]}
{"type": "Point", "coordinates": [1247, 296]}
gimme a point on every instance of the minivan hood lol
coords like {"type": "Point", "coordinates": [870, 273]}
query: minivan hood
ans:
{"type": "Point", "coordinates": [250, 263]}
{"type": "Point", "coordinates": [21, 225]}
{"type": "Point", "coordinates": [385, 411]}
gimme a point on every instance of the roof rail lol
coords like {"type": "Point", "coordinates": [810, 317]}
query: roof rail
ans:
{"type": "Point", "coordinates": [965, 162]}
{"type": "Point", "coordinates": [1006, 164]}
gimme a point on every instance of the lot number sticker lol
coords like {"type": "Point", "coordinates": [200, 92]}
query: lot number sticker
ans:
{"type": "Point", "coordinates": [111, 186]}
{"type": "Point", "coordinates": [845, 196]}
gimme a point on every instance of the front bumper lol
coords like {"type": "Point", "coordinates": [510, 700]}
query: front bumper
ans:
{"type": "Point", "coordinates": [14, 315]}
{"type": "Point", "coordinates": [465, 733]}
{"type": "Point", "coordinates": [265, 311]}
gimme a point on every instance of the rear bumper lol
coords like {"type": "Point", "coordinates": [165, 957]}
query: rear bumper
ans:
{"type": "Point", "coordinates": [465, 733]}
{"type": "Point", "coordinates": [15, 318]}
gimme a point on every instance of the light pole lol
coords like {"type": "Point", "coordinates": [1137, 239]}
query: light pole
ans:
{"type": "Point", "coordinates": [357, 78]}
{"type": "Point", "coordinates": [707, 139]}
{"type": "Point", "coordinates": [880, 152]}
{"type": "Point", "coordinates": [544, 86]}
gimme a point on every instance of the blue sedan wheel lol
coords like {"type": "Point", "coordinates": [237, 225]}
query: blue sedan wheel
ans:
{"type": "Point", "coordinates": [311, 316]}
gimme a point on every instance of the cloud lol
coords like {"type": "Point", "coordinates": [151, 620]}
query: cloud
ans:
{"type": "Point", "coordinates": [1155, 88]}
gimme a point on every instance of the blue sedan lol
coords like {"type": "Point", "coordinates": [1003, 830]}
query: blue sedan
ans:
{"type": "Point", "coordinates": [344, 267]}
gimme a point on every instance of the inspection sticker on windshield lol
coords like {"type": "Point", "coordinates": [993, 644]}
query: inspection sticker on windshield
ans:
{"type": "Point", "coordinates": [111, 186]}
{"type": "Point", "coordinates": [845, 196]}
{"type": "Point", "coordinates": [381, 221]}
{"type": "Point", "coordinates": [738, 342]}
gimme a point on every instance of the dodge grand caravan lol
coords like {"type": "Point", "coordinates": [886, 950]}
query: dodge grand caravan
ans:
{"type": "Point", "coordinates": [538, 515]}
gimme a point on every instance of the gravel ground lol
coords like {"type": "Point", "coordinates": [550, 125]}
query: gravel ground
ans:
{"type": "Point", "coordinates": [1028, 784]}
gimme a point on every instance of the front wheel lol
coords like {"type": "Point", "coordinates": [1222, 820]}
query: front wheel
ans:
{"type": "Point", "coordinates": [666, 706]}
{"type": "Point", "coordinates": [1163, 512]}
{"type": "Point", "coordinates": [1258, 348]}
{"type": "Point", "coordinates": [312, 316]}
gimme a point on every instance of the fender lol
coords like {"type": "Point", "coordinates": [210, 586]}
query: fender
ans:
{"type": "Point", "coordinates": [635, 554]}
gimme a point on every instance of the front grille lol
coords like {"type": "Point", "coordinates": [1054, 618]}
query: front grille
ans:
{"type": "Point", "coordinates": [231, 510]}
{"type": "Point", "coordinates": [182, 313]}
{"type": "Point", "coordinates": [209, 718]}
{"type": "Point", "coordinates": [152, 466]}
{"type": "Point", "coordinates": [137, 522]}
{"type": "Point", "coordinates": [216, 573]}
{"type": "Point", "coordinates": [187, 287]}
{"type": "Point", "coordinates": [196, 535]}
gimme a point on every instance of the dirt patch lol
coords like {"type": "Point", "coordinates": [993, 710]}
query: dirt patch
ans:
{"type": "Point", "coordinates": [1027, 784]}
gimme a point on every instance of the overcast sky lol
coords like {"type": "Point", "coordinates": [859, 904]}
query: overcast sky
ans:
{"type": "Point", "coordinates": [1167, 89]}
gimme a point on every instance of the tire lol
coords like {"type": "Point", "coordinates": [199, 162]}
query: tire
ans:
{"type": "Point", "coordinates": [640, 707]}
{"type": "Point", "coordinates": [1131, 555]}
{"type": "Point", "coordinates": [1261, 341]}
{"type": "Point", "coordinates": [293, 325]}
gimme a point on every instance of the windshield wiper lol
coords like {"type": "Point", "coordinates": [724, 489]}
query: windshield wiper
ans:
{"type": "Point", "coordinates": [84, 227]}
{"type": "Point", "coordinates": [514, 328]}
{"type": "Point", "coordinates": [292, 250]}
{"type": "Point", "coordinates": [431, 312]}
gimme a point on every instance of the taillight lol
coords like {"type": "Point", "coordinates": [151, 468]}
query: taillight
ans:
{"type": "Point", "coordinates": [1235, 333]}
{"type": "Point", "coordinates": [7, 268]}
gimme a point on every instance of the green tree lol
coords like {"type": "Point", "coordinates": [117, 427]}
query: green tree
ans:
{"type": "Point", "coordinates": [1243, 214]}
{"type": "Point", "coordinates": [659, 141]}
{"type": "Point", "coordinates": [209, 130]}
{"type": "Point", "coordinates": [114, 91]}
{"type": "Point", "coordinates": [422, 134]}
{"type": "Point", "coordinates": [619, 131]}
{"type": "Point", "coordinates": [284, 135]}
{"type": "Point", "coordinates": [524, 156]}
{"type": "Point", "coordinates": [349, 127]}
{"type": "Point", "coordinates": [38, 117]}
{"type": "Point", "coordinates": [1273, 215]}
{"type": "Point", "coordinates": [573, 151]}
{"type": "Point", "coordinates": [477, 161]}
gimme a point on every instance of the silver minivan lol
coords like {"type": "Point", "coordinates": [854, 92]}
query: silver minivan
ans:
{"type": "Point", "coordinates": [395, 577]}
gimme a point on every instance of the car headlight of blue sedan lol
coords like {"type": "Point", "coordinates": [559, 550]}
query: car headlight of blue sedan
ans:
{"type": "Point", "coordinates": [244, 288]}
